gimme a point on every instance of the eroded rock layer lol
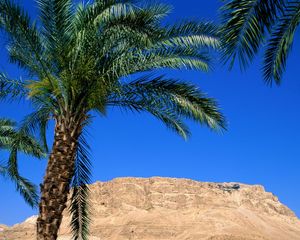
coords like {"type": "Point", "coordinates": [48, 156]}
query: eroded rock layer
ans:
{"type": "Point", "coordinates": [178, 209]}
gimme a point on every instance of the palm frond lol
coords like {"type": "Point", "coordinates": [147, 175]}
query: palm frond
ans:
{"type": "Point", "coordinates": [171, 120]}
{"type": "Point", "coordinates": [6, 124]}
{"type": "Point", "coordinates": [23, 185]}
{"type": "Point", "coordinates": [57, 21]}
{"type": "Point", "coordinates": [172, 99]}
{"type": "Point", "coordinates": [79, 207]}
{"type": "Point", "coordinates": [11, 89]}
{"type": "Point", "coordinates": [28, 145]}
{"type": "Point", "coordinates": [139, 17]}
{"type": "Point", "coordinates": [18, 54]}
{"type": "Point", "coordinates": [37, 123]}
{"type": "Point", "coordinates": [7, 133]}
{"type": "Point", "coordinates": [130, 62]}
{"type": "Point", "coordinates": [88, 16]}
{"type": "Point", "coordinates": [107, 11]}
{"type": "Point", "coordinates": [183, 46]}
{"type": "Point", "coordinates": [12, 138]}
{"type": "Point", "coordinates": [15, 141]}
{"type": "Point", "coordinates": [245, 24]}
{"type": "Point", "coordinates": [281, 42]}
{"type": "Point", "coordinates": [190, 33]}
{"type": "Point", "coordinates": [21, 32]}
{"type": "Point", "coordinates": [141, 21]}
{"type": "Point", "coordinates": [158, 110]}
{"type": "Point", "coordinates": [115, 24]}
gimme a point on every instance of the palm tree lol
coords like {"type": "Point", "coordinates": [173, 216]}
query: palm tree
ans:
{"type": "Point", "coordinates": [250, 24]}
{"type": "Point", "coordinates": [14, 141]}
{"type": "Point", "coordinates": [82, 59]}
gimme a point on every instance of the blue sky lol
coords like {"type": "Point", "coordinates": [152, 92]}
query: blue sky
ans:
{"type": "Point", "coordinates": [262, 145]}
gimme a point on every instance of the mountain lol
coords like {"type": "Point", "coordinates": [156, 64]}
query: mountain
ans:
{"type": "Point", "coordinates": [178, 209]}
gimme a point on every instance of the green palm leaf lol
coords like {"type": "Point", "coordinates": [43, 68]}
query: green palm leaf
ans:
{"type": "Point", "coordinates": [36, 123]}
{"type": "Point", "coordinates": [281, 42]}
{"type": "Point", "coordinates": [21, 32]}
{"type": "Point", "coordinates": [170, 101]}
{"type": "Point", "coordinates": [250, 25]}
{"type": "Point", "coordinates": [27, 190]}
{"type": "Point", "coordinates": [245, 23]}
{"type": "Point", "coordinates": [7, 133]}
{"type": "Point", "coordinates": [79, 207]}
{"type": "Point", "coordinates": [14, 141]}
{"type": "Point", "coordinates": [190, 34]}
{"type": "Point", "coordinates": [11, 89]}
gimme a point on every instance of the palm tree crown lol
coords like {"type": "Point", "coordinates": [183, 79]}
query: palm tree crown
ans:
{"type": "Point", "coordinates": [83, 58]}
{"type": "Point", "coordinates": [247, 24]}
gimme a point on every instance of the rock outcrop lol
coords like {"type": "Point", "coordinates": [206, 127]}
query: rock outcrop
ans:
{"type": "Point", "coordinates": [178, 209]}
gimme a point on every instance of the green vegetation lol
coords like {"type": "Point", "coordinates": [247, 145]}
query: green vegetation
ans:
{"type": "Point", "coordinates": [251, 24]}
{"type": "Point", "coordinates": [81, 60]}
{"type": "Point", "coordinates": [15, 141]}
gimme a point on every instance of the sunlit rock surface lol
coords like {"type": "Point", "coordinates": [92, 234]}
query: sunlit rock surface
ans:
{"type": "Point", "coordinates": [179, 209]}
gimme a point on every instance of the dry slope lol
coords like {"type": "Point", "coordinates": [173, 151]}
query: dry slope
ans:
{"type": "Point", "coordinates": [178, 209]}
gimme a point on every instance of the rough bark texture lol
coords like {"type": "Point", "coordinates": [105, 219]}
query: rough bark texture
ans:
{"type": "Point", "coordinates": [55, 188]}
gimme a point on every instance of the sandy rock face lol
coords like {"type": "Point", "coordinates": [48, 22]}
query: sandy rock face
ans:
{"type": "Point", "coordinates": [2, 228]}
{"type": "Point", "coordinates": [178, 209]}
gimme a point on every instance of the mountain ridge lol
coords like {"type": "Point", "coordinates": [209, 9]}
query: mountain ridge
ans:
{"type": "Point", "coordinates": [181, 209]}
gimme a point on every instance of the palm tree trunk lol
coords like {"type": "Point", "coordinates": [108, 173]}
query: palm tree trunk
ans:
{"type": "Point", "coordinates": [56, 185]}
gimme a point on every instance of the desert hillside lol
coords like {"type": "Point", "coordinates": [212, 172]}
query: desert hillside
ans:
{"type": "Point", "coordinates": [178, 209]}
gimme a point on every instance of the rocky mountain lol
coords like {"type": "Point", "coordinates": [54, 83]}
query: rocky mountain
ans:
{"type": "Point", "coordinates": [178, 209]}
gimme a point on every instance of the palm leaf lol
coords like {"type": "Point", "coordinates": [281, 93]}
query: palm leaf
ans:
{"type": "Point", "coordinates": [36, 123]}
{"type": "Point", "coordinates": [280, 44]}
{"type": "Point", "coordinates": [79, 207]}
{"type": "Point", "coordinates": [190, 33]}
{"type": "Point", "coordinates": [7, 133]}
{"type": "Point", "coordinates": [15, 141]}
{"type": "Point", "coordinates": [28, 145]}
{"type": "Point", "coordinates": [27, 190]}
{"type": "Point", "coordinates": [21, 32]}
{"type": "Point", "coordinates": [244, 27]}
{"type": "Point", "coordinates": [170, 101]}
{"type": "Point", "coordinates": [57, 22]}
{"type": "Point", "coordinates": [11, 89]}
{"type": "Point", "coordinates": [88, 16]}
{"type": "Point", "coordinates": [127, 64]}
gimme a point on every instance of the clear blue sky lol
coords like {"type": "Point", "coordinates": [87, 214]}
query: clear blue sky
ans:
{"type": "Point", "coordinates": [262, 145]}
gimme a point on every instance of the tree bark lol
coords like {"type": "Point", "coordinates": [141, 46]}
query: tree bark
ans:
{"type": "Point", "coordinates": [56, 185]}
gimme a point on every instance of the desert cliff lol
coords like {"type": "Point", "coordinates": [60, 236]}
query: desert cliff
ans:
{"type": "Point", "coordinates": [178, 209]}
